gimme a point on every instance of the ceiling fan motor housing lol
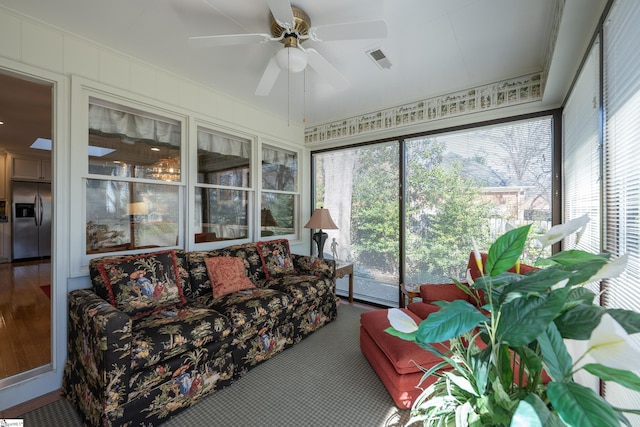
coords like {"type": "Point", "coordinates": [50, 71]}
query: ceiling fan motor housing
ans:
{"type": "Point", "coordinates": [301, 25]}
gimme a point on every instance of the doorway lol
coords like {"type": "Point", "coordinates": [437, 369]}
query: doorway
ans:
{"type": "Point", "coordinates": [26, 285]}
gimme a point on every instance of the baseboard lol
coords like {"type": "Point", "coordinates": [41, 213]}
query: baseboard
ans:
{"type": "Point", "coordinates": [21, 409]}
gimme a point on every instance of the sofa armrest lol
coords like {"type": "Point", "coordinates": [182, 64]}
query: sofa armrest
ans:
{"type": "Point", "coordinates": [442, 292]}
{"type": "Point", "coordinates": [99, 346]}
{"type": "Point", "coordinates": [314, 266]}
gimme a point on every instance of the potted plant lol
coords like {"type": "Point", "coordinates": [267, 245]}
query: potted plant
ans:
{"type": "Point", "coordinates": [507, 363]}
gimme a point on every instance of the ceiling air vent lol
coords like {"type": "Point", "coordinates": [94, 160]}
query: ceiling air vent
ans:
{"type": "Point", "coordinates": [379, 58]}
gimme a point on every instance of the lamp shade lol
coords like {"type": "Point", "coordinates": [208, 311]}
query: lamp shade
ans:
{"type": "Point", "coordinates": [267, 219]}
{"type": "Point", "coordinates": [138, 208]}
{"type": "Point", "coordinates": [321, 219]}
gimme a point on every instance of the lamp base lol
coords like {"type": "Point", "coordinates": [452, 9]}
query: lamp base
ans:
{"type": "Point", "coordinates": [320, 237]}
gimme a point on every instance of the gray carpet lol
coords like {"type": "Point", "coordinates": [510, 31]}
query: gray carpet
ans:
{"type": "Point", "coordinates": [322, 381]}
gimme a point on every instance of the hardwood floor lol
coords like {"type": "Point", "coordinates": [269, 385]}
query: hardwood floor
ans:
{"type": "Point", "coordinates": [25, 317]}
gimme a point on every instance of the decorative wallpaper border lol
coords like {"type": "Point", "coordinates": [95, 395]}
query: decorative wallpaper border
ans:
{"type": "Point", "coordinates": [510, 92]}
{"type": "Point", "coordinates": [519, 90]}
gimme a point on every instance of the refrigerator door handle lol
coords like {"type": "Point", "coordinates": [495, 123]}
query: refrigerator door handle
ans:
{"type": "Point", "coordinates": [35, 209]}
{"type": "Point", "coordinates": [41, 208]}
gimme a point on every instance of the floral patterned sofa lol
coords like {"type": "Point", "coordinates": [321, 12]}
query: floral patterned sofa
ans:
{"type": "Point", "coordinates": [159, 331]}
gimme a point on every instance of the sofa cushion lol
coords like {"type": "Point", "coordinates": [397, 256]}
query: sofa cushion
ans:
{"type": "Point", "coordinates": [303, 289]}
{"type": "Point", "coordinates": [227, 274]}
{"type": "Point", "coordinates": [405, 356]}
{"type": "Point", "coordinates": [250, 310]}
{"type": "Point", "coordinates": [276, 258]}
{"type": "Point", "coordinates": [442, 292]}
{"type": "Point", "coordinates": [167, 333]}
{"type": "Point", "coordinates": [142, 283]}
{"type": "Point", "coordinates": [199, 283]}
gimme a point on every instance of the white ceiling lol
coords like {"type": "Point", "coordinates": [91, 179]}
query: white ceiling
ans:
{"type": "Point", "coordinates": [435, 46]}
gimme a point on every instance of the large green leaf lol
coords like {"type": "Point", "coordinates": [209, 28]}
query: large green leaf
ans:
{"type": "Point", "coordinates": [402, 335]}
{"type": "Point", "coordinates": [453, 319]}
{"type": "Point", "coordinates": [580, 406]}
{"type": "Point", "coordinates": [534, 283]}
{"type": "Point", "coordinates": [555, 354]}
{"type": "Point", "coordinates": [578, 322]}
{"type": "Point", "coordinates": [532, 412]}
{"type": "Point", "coordinates": [624, 378]}
{"type": "Point", "coordinates": [523, 319]}
{"type": "Point", "coordinates": [580, 295]}
{"type": "Point", "coordinates": [581, 273]}
{"type": "Point", "coordinates": [506, 250]}
{"type": "Point", "coordinates": [576, 256]}
{"type": "Point", "coordinates": [480, 365]}
{"type": "Point", "coordinates": [629, 320]}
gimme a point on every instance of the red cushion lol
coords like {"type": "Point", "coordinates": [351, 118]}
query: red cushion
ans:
{"type": "Point", "coordinates": [227, 275]}
{"type": "Point", "coordinates": [405, 356]}
{"type": "Point", "coordinates": [422, 309]}
{"type": "Point", "coordinates": [403, 389]}
{"type": "Point", "coordinates": [443, 292]}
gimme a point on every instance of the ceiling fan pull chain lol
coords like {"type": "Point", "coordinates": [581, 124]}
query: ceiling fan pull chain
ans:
{"type": "Point", "coordinates": [288, 87]}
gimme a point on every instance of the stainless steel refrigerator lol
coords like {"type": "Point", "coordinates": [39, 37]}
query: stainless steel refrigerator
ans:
{"type": "Point", "coordinates": [31, 219]}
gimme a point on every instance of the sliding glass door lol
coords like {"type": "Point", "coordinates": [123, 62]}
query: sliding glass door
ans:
{"type": "Point", "coordinates": [360, 188]}
{"type": "Point", "coordinates": [407, 211]}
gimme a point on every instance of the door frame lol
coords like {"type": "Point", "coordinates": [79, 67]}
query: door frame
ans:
{"type": "Point", "coordinates": [37, 382]}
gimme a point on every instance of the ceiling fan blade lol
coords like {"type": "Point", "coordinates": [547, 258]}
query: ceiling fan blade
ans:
{"type": "Point", "coordinates": [229, 40]}
{"type": "Point", "coordinates": [326, 70]}
{"type": "Point", "coordinates": [269, 78]}
{"type": "Point", "coordinates": [281, 11]}
{"type": "Point", "coordinates": [350, 31]}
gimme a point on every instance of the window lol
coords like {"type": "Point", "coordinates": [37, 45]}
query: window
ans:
{"type": "Point", "coordinates": [477, 184]}
{"type": "Point", "coordinates": [622, 175]}
{"type": "Point", "coordinates": [222, 192]}
{"type": "Point", "coordinates": [581, 155]}
{"type": "Point", "coordinates": [457, 185]}
{"type": "Point", "coordinates": [134, 166]}
{"type": "Point", "coordinates": [279, 192]}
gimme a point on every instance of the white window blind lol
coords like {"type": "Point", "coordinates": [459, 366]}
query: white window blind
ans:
{"type": "Point", "coordinates": [622, 173]}
{"type": "Point", "coordinates": [581, 162]}
{"type": "Point", "coordinates": [581, 154]}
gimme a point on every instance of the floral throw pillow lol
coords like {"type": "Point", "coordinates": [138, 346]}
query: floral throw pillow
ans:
{"type": "Point", "coordinates": [227, 275]}
{"type": "Point", "coordinates": [276, 258]}
{"type": "Point", "coordinates": [144, 283]}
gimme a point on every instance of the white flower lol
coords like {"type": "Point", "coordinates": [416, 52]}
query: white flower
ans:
{"type": "Point", "coordinates": [476, 254]}
{"type": "Point", "coordinates": [400, 321]}
{"type": "Point", "coordinates": [611, 269]}
{"type": "Point", "coordinates": [468, 277]}
{"type": "Point", "coordinates": [610, 345]}
{"type": "Point", "coordinates": [560, 231]}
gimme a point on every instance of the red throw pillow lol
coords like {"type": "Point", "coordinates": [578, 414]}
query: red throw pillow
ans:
{"type": "Point", "coordinates": [227, 275]}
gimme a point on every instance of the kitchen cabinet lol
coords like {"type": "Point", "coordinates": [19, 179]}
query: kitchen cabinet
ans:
{"type": "Point", "coordinates": [31, 169]}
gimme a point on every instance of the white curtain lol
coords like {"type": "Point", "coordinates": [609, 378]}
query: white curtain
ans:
{"type": "Point", "coordinates": [133, 126]}
{"type": "Point", "coordinates": [279, 157]}
{"type": "Point", "coordinates": [224, 144]}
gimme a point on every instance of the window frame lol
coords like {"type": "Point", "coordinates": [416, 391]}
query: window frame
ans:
{"type": "Point", "coordinates": [556, 173]}
{"type": "Point", "coordinates": [199, 124]}
{"type": "Point", "coordinates": [82, 92]}
{"type": "Point", "coordinates": [295, 236]}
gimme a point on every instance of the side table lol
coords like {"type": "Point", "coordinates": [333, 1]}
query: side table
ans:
{"type": "Point", "coordinates": [410, 292]}
{"type": "Point", "coordinates": [341, 271]}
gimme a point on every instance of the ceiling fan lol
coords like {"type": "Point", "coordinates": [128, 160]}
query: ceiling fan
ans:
{"type": "Point", "coordinates": [291, 26]}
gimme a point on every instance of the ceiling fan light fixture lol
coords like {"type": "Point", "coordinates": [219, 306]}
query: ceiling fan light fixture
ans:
{"type": "Point", "coordinates": [291, 59]}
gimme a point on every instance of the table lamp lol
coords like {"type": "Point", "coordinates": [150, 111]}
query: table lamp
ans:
{"type": "Point", "coordinates": [319, 220]}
